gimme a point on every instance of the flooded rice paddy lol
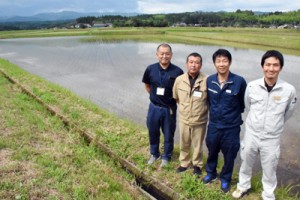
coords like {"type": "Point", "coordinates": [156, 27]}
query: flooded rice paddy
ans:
{"type": "Point", "coordinates": [110, 74]}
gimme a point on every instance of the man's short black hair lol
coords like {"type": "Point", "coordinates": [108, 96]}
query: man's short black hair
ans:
{"type": "Point", "coordinates": [194, 54]}
{"type": "Point", "coordinates": [273, 53]}
{"type": "Point", "coordinates": [222, 52]}
{"type": "Point", "coordinates": [164, 45]}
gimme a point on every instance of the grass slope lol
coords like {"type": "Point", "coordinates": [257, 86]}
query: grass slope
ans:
{"type": "Point", "coordinates": [126, 139]}
{"type": "Point", "coordinates": [41, 159]}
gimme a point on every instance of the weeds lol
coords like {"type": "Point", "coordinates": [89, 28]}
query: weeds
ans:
{"type": "Point", "coordinates": [41, 159]}
{"type": "Point", "coordinates": [44, 160]}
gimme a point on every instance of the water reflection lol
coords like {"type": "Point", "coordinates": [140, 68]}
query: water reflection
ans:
{"type": "Point", "coordinates": [110, 74]}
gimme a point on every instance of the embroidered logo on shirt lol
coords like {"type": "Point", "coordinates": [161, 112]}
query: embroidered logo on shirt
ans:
{"type": "Point", "coordinates": [277, 98]}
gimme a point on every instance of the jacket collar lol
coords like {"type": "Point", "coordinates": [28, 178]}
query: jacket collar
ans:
{"type": "Point", "coordinates": [198, 80]}
{"type": "Point", "coordinates": [279, 83]}
{"type": "Point", "coordinates": [230, 78]}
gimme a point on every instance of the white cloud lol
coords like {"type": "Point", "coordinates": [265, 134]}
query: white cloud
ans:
{"type": "Point", "coordinates": [30, 7]}
{"type": "Point", "coordinates": [166, 6]}
{"type": "Point", "coordinates": [158, 6]}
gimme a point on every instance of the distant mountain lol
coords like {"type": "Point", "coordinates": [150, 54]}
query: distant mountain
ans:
{"type": "Point", "coordinates": [260, 13]}
{"type": "Point", "coordinates": [255, 12]}
{"type": "Point", "coordinates": [59, 16]}
{"type": "Point", "coordinates": [70, 15]}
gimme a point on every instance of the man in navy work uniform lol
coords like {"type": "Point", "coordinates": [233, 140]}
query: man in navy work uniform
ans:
{"type": "Point", "coordinates": [159, 79]}
{"type": "Point", "coordinates": [226, 92]}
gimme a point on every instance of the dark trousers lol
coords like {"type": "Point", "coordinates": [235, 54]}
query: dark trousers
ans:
{"type": "Point", "coordinates": [228, 142]}
{"type": "Point", "coordinates": [164, 119]}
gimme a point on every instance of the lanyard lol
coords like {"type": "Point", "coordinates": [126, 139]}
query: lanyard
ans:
{"type": "Point", "coordinates": [162, 78]}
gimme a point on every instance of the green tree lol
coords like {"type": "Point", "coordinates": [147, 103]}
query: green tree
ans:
{"type": "Point", "coordinates": [86, 20]}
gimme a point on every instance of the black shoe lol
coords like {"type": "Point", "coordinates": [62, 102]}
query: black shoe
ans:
{"type": "Point", "coordinates": [181, 169]}
{"type": "Point", "coordinates": [197, 171]}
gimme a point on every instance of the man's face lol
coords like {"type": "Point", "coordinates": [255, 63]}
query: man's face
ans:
{"type": "Point", "coordinates": [222, 64]}
{"type": "Point", "coordinates": [164, 56]}
{"type": "Point", "coordinates": [193, 65]}
{"type": "Point", "coordinates": [271, 68]}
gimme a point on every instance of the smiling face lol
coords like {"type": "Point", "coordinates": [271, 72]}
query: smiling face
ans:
{"type": "Point", "coordinates": [222, 64]}
{"type": "Point", "coordinates": [193, 65]}
{"type": "Point", "coordinates": [164, 55]}
{"type": "Point", "coordinates": [271, 69]}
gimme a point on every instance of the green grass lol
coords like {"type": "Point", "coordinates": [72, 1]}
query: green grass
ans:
{"type": "Point", "coordinates": [60, 165]}
{"type": "Point", "coordinates": [41, 159]}
{"type": "Point", "coordinates": [50, 161]}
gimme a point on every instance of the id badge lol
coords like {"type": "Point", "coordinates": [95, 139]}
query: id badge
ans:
{"type": "Point", "coordinates": [160, 91]}
{"type": "Point", "coordinates": [197, 94]}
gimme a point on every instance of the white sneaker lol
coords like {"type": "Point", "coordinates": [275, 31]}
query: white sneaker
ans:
{"type": "Point", "coordinates": [239, 193]}
{"type": "Point", "coordinates": [164, 163]}
{"type": "Point", "coordinates": [153, 159]}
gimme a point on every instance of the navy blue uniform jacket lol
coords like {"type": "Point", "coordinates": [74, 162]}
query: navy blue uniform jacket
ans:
{"type": "Point", "coordinates": [226, 104]}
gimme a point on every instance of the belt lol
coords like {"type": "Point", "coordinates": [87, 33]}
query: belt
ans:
{"type": "Point", "coordinates": [160, 105]}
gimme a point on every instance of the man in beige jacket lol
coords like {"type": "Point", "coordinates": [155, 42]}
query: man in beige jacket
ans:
{"type": "Point", "coordinates": [190, 92]}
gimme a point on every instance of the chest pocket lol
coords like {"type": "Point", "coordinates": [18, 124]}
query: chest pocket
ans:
{"type": "Point", "coordinates": [213, 96]}
{"type": "Point", "coordinates": [183, 94]}
{"type": "Point", "coordinates": [256, 102]}
{"type": "Point", "coordinates": [169, 82]}
{"type": "Point", "coordinates": [279, 105]}
{"type": "Point", "coordinates": [200, 95]}
{"type": "Point", "coordinates": [231, 98]}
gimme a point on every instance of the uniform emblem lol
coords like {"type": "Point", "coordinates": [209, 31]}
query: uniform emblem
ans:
{"type": "Point", "coordinates": [277, 98]}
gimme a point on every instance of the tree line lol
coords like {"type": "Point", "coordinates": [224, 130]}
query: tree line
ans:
{"type": "Point", "coordinates": [33, 25]}
{"type": "Point", "coordinates": [239, 18]}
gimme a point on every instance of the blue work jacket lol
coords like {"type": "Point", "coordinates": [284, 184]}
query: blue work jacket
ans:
{"type": "Point", "coordinates": [226, 104]}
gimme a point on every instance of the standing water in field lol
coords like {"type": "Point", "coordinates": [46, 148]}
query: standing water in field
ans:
{"type": "Point", "coordinates": [110, 75]}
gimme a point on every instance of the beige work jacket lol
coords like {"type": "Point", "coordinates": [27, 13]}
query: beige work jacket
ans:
{"type": "Point", "coordinates": [192, 103]}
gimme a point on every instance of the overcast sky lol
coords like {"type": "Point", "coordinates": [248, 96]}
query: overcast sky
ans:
{"type": "Point", "coordinates": [31, 7]}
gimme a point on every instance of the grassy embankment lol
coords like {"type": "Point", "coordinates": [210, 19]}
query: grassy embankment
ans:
{"type": "Point", "coordinates": [40, 158]}
{"type": "Point", "coordinates": [43, 159]}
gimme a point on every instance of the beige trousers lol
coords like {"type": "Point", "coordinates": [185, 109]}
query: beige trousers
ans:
{"type": "Point", "coordinates": [191, 142]}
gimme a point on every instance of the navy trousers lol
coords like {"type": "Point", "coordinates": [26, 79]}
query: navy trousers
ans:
{"type": "Point", "coordinates": [161, 118]}
{"type": "Point", "coordinates": [228, 142]}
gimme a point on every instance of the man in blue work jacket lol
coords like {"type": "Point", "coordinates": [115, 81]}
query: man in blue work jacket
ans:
{"type": "Point", "coordinates": [159, 79]}
{"type": "Point", "coordinates": [226, 103]}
